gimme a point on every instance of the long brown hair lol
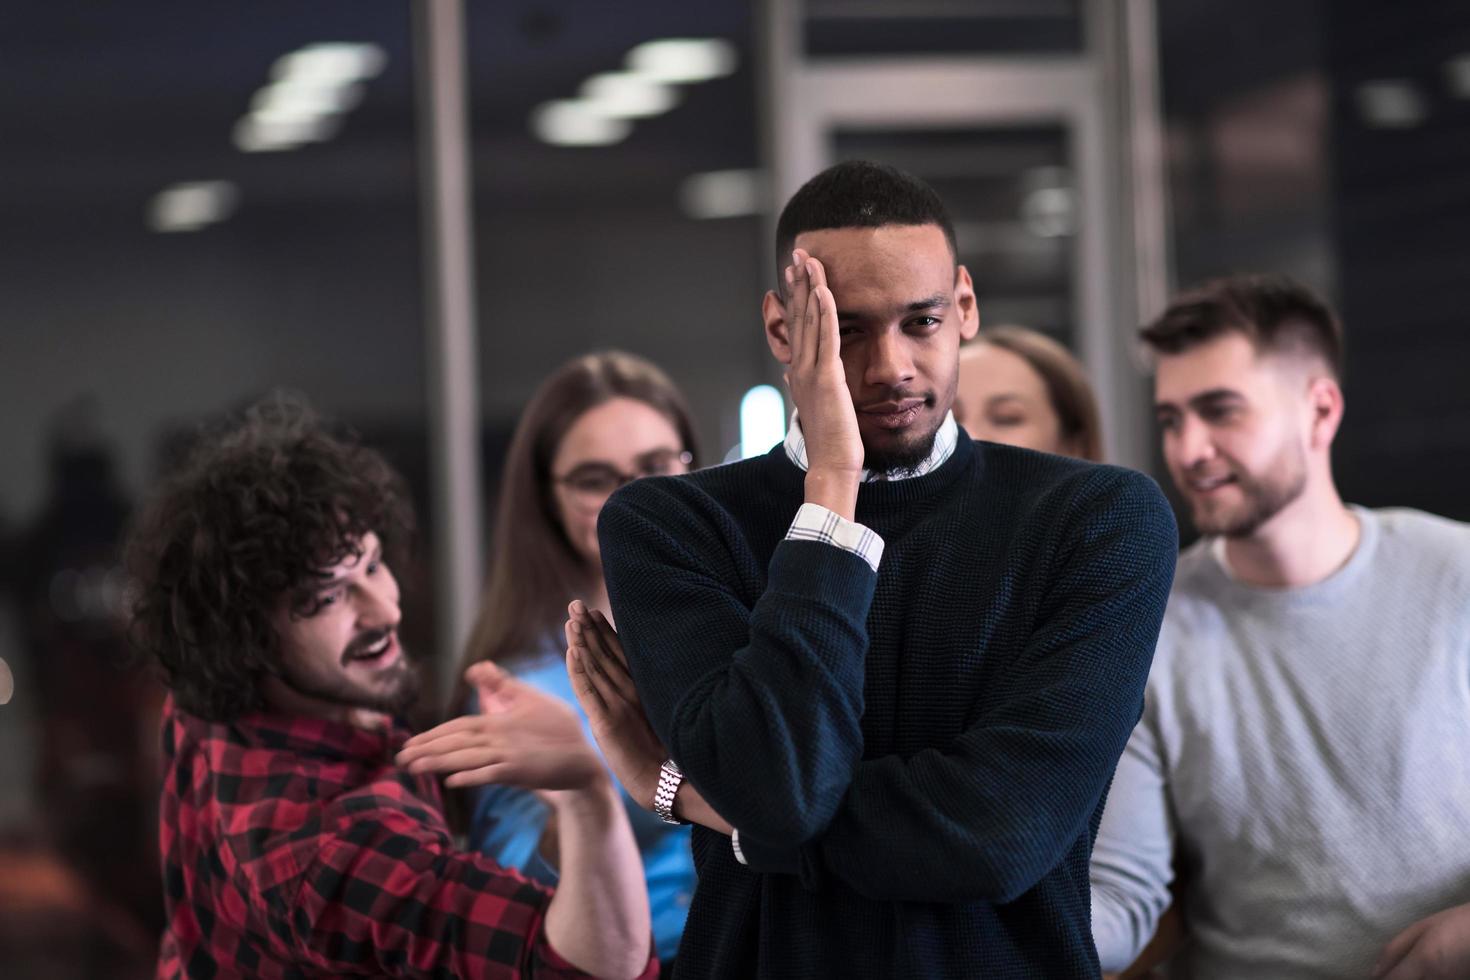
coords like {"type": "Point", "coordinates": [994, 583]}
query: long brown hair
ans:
{"type": "Point", "coordinates": [1067, 387]}
{"type": "Point", "coordinates": [534, 569]}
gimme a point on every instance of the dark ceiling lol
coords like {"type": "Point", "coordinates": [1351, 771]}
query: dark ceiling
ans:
{"type": "Point", "coordinates": [104, 104]}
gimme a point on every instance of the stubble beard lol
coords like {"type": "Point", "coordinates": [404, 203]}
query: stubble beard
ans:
{"type": "Point", "coordinates": [400, 693]}
{"type": "Point", "coordinates": [906, 452]}
{"type": "Point", "coordinates": [1263, 497]}
{"type": "Point", "coordinates": [899, 460]}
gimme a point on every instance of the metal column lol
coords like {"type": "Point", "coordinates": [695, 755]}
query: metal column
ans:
{"type": "Point", "coordinates": [453, 362]}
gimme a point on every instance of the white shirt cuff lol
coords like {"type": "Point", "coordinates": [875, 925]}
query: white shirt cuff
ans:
{"type": "Point", "coordinates": [816, 523]}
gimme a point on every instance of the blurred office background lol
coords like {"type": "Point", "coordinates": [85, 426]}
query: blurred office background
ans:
{"type": "Point", "coordinates": [189, 220]}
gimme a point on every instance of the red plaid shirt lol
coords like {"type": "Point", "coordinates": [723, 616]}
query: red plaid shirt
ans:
{"type": "Point", "coordinates": [292, 847]}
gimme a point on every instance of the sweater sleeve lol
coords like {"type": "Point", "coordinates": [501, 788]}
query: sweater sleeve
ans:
{"type": "Point", "coordinates": [986, 817]}
{"type": "Point", "coordinates": [1132, 860]}
{"type": "Point", "coordinates": [760, 705]}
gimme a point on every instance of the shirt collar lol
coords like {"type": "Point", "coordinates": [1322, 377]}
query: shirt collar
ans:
{"type": "Point", "coordinates": [304, 735]}
{"type": "Point", "coordinates": [944, 442]}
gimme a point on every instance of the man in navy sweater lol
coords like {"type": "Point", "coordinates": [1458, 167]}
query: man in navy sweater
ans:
{"type": "Point", "coordinates": [897, 666]}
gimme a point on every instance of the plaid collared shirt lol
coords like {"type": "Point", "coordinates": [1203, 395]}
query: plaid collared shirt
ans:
{"type": "Point", "coordinates": [292, 847]}
{"type": "Point", "coordinates": [816, 523]}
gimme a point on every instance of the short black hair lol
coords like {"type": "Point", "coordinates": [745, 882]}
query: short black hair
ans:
{"type": "Point", "coordinates": [263, 504]}
{"type": "Point", "coordinates": [859, 194]}
{"type": "Point", "coordinates": [1274, 312]}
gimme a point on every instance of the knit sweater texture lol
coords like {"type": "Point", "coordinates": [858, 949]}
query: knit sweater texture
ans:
{"type": "Point", "coordinates": [915, 758]}
{"type": "Point", "coordinates": [1304, 758]}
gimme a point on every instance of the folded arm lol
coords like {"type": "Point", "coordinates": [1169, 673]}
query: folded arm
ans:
{"type": "Point", "coordinates": [759, 704]}
{"type": "Point", "coordinates": [988, 816]}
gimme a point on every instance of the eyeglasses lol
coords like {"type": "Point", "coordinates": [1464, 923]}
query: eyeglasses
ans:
{"type": "Point", "coordinates": [593, 482]}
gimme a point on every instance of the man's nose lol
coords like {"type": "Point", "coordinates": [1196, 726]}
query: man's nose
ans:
{"type": "Point", "coordinates": [890, 363]}
{"type": "Point", "coordinates": [1193, 442]}
{"type": "Point", "coordinates": [380, 608]}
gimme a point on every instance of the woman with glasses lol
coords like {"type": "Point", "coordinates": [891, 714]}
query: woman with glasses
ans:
{"type": "Point", "coordinates": [597, 423]}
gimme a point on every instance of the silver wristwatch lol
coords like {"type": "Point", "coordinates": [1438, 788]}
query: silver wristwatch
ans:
{"type": "Point", "coordinates": [669, 778]}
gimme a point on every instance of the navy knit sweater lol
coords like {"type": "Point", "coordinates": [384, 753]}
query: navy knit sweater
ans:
{"type": "Point", "coordinates": [916, 759]}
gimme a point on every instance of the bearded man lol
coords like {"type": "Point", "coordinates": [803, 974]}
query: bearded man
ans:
{"type": "Point", "coordinates": [294, 844]}
{"type": "Point", "coordinates": [1304, 754]}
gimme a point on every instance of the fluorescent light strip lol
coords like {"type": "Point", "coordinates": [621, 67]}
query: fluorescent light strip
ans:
{"type": "Point", "coordinates": [723, 194]}
{"type": "Point", "coordinates": [331, 63]}
{"type": "Point", "coordinates": [624, 95]}
{"type": "Point", "coordinates": [683, 60]}
{"type": "Point", "coordinates": [191, 206]}
{"type": "Point", "coordinates": [573, 122]}
{"type": "Point", "coordinates": [599, 117]}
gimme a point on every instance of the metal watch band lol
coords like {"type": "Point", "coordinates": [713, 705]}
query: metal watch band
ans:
{"type": "Point", "coordinates": [669, 778]}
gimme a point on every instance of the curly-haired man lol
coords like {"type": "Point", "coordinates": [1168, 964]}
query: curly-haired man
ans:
{"type": "Point", "coordinates": [293, 845]}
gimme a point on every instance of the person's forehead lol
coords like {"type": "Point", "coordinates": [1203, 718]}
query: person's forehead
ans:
{"type": "Point", "coordinates": [617, 430]}
{"type": "Point", "coordinates": [912, 261]}
{"type": "Point", "coordinates": [990, 370]}
{"type": "Point", "coordinates": [358, 552]}
{"type": "Point", "coordinates": [1225, 362]}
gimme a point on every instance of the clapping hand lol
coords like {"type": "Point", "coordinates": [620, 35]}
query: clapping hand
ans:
{"type": "Point", "coordinates": [522, 737]}
{"type": "Point", "coordinates": [604, 689]}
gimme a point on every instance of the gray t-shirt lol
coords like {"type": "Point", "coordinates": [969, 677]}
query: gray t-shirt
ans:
{"type": "Point", "coordinates": [1309, 751]}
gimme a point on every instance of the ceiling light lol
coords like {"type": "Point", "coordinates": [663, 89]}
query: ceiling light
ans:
{"type": "Point", "coordinates": [723, 194]}
{"type": "Point", "coordinates": [1391, 103]}
{"type": "Point", "coordinates": [294, 99]}
{"type": "Point", "coordinates": [1457, 74]}
{"type": "Point", "coordinates": [330, 63]}
{"type": "Point", "coordinates": [573, 122]}
{"type": "Point", "coordinates": [191, 206]}
{"type": "Point", "coordinates": [263, 132]}
{"type": "Point", "coordinates": [683, 60]}
{"type": "Point", "coordinates": [624, 95]}
{"type": "Point", "coordinates": [1050, 212]}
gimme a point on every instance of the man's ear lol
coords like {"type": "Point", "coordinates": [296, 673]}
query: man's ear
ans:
{"type": "Point", "coordinates": [1325, 396]}
{"type": "Point", "coordinates": [778, 336]}
{"type": "Point", "coordinates": [964, 300]}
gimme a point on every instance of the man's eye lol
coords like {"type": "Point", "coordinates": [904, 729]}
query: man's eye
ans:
{"type": "Point", "coordinates": [373, 567]}
{"type": "Point", "coordinates": [925, 322]}
{"type": "Point", "coordinates": [1168, 423]}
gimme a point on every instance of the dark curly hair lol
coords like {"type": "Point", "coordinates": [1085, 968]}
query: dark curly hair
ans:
{"type": "Point", "coordinates": [263, 504]}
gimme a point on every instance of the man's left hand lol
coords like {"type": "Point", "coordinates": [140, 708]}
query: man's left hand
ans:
{"type": "Point", "coordinates": [1436, 948]}
{"type": "Point", "coordinates": [604, 688]}
{"type": "Point", "coordinates": [522, 737]}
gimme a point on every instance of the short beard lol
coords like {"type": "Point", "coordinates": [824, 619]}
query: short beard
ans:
{"type": "Point", "coordinates": [394, 701]}
{"type": "Point", "coordinates": [900, 460]}
{"type": "Point", "coordinates": [1264, 498]}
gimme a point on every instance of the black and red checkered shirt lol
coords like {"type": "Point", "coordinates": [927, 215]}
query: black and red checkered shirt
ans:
{"type": "Point", "coordinates": [292, 847]}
